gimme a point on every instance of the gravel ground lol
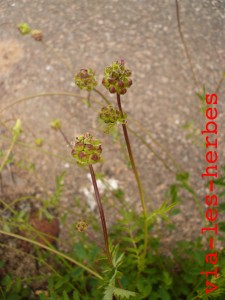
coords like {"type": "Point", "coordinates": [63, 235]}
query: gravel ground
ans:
{"type": "Point", "coordinates": [93, 34]}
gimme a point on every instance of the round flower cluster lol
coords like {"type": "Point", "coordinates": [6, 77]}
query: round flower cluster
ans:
{"type": "Point", "coordinates": [86, 79]}
{"type": "Point", "coordinates": [111, 115]}
{"type": "Point", "coordinates": [86, 150]}
{"type": "Point", "coordinates": [81, 226]}
{"type": "Point", "coordinates": [117, 78]}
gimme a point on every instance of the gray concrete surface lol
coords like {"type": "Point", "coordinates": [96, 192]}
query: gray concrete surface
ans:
{"type": "Point", "coordinates": [93, 34]}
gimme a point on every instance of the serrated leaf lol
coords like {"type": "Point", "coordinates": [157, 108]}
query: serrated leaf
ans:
{"type": "Point", "coordinates": [132, 250]}
{"type": "Point", "coordinates": [139, 238]}
{"type": "Point", "coordinates": [108, 293]}
{"type": "Point", "coordinates": [123, 293]}
{"type": "Point", "coordinates": [127, 239]}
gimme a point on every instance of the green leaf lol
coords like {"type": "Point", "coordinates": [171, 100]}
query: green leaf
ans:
{"type": "Point", "coordinates": [162, 211]}
{"type": "Point", "coordinates": [108, 294]}
{"type": "Point", "coordinates": [6, 227]}
{"type": "Point", "coordinates": [79, 251]}
{"type": "Point", "coordinates": [123, 293]}
{"type": "Point", "coordinates": [59, 189]}
{"type": "Point", "coordinates": [163, 293]}
{"type": "Point", "coordinates": [167, 279]}
{"type": "Point", "coordinates": [184, 176]}
{"type": "Point", "coordinates": [76, 295]}
{"type": "Point", "coordinates": [62, 281]}
{"type": "Point", "coordinates": [65, 296]}
{"type": "Point", "coordinates": [133, 250]}
{"type": "Point", "coordinates": [17, 129]}
{"type": "Point", "coordinates": [175, 212]}
{"type": "Point", "coordinates": [144, 287]}
{"type": "Point", "coordinates": [77, 272]}
{"type": "Point", "coordinates": [200, 257]}
{"type": "Point", "coordinates": [220, 181]}
{"type": "Point", "coordinates": [221, 226]}
{"type": "Point", "coordinates": [174, 192]}
{"type": "Point", "coordinates": [221, 206]}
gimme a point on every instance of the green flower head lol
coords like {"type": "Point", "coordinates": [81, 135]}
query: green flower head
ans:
{"type": "Point", "coordinates": [117, 78]}
{"type": "Point", "coordinates": [23, 28]}
{"type": "Point", "coordinates": [86, 79]}
{"type": "Point", "coordinates": [111, 116]}
{"type": "Point", "coordinates": [56, 124]}
{"type": "Point", "coordinates": [86, 150]}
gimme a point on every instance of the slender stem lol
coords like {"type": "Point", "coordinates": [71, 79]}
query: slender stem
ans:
{"type": "Point", "coordinates": [132, 159]}
{"type": "Point", "coordinates": [60, 254]}
{"type": "Point", "coordinates": [41, 95]}
{"type": "Point", "coordinates": [137, 179]}
{"type": "Point", "coordinates": [1, 182]}
{"type": "Point", "coordinates": [8, 206]}
{"type": "Point", "coordinates": [65, 138]}
{"type": "Point", "coordinates": [11, 204]}
{"type": "Point", "coordinates": [89, 99]}
{"type": "Point", "coordinates": [37, 149]}
{"type": "Point", "coordinates": [3, 295]}
{"type": "Point", "coordinates": [185, 45]}
{"type": "Point", "coordinates": [220, 83]}
{"type": "Point", "coordinates": [7, 155]}
{"type": "Point", "coordinates": [11, 173]}
{"type": "Point", "coordinates": [101, 212]}
{"type": "Point", "coordinates": [145, 237]}
{"type": "Point", "coordinates": [103, 97]}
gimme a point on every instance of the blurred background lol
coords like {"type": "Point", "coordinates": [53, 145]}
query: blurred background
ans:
{"type": "Point", "coordinates": [162, 104]}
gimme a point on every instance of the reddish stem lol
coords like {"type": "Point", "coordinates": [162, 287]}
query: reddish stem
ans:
{"type": "Point", "coordinates": [101, 212]}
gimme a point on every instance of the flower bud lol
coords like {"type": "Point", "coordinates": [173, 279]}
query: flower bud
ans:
{"type": "Point", "coordinates": [39, 142]}
{"type": "Point", "coordinates": [86, 79]}
{"type": "Point", "coordinates": [37, 35]}
{"type": "Point", "coordinates": [56, 124]}
{"type": "Point", "coordinates": [23, 28]}
{"type": "Point", "coordinates": [120, 84]}
{"type": "Point", "coordinates": [123, 91]}
{"type": "Point", "coordinates": [81, 226]}
{"type": "Point", "coordinates": [129, 83]}
{"type": "Point", "coordinates": [112, 89]}
{"type": "Point", "coordinates": [94, 158]}
{"type": "Point", "coordinates": [121, 61]}
{"type": "Point", "coordinates": [111, 80]}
